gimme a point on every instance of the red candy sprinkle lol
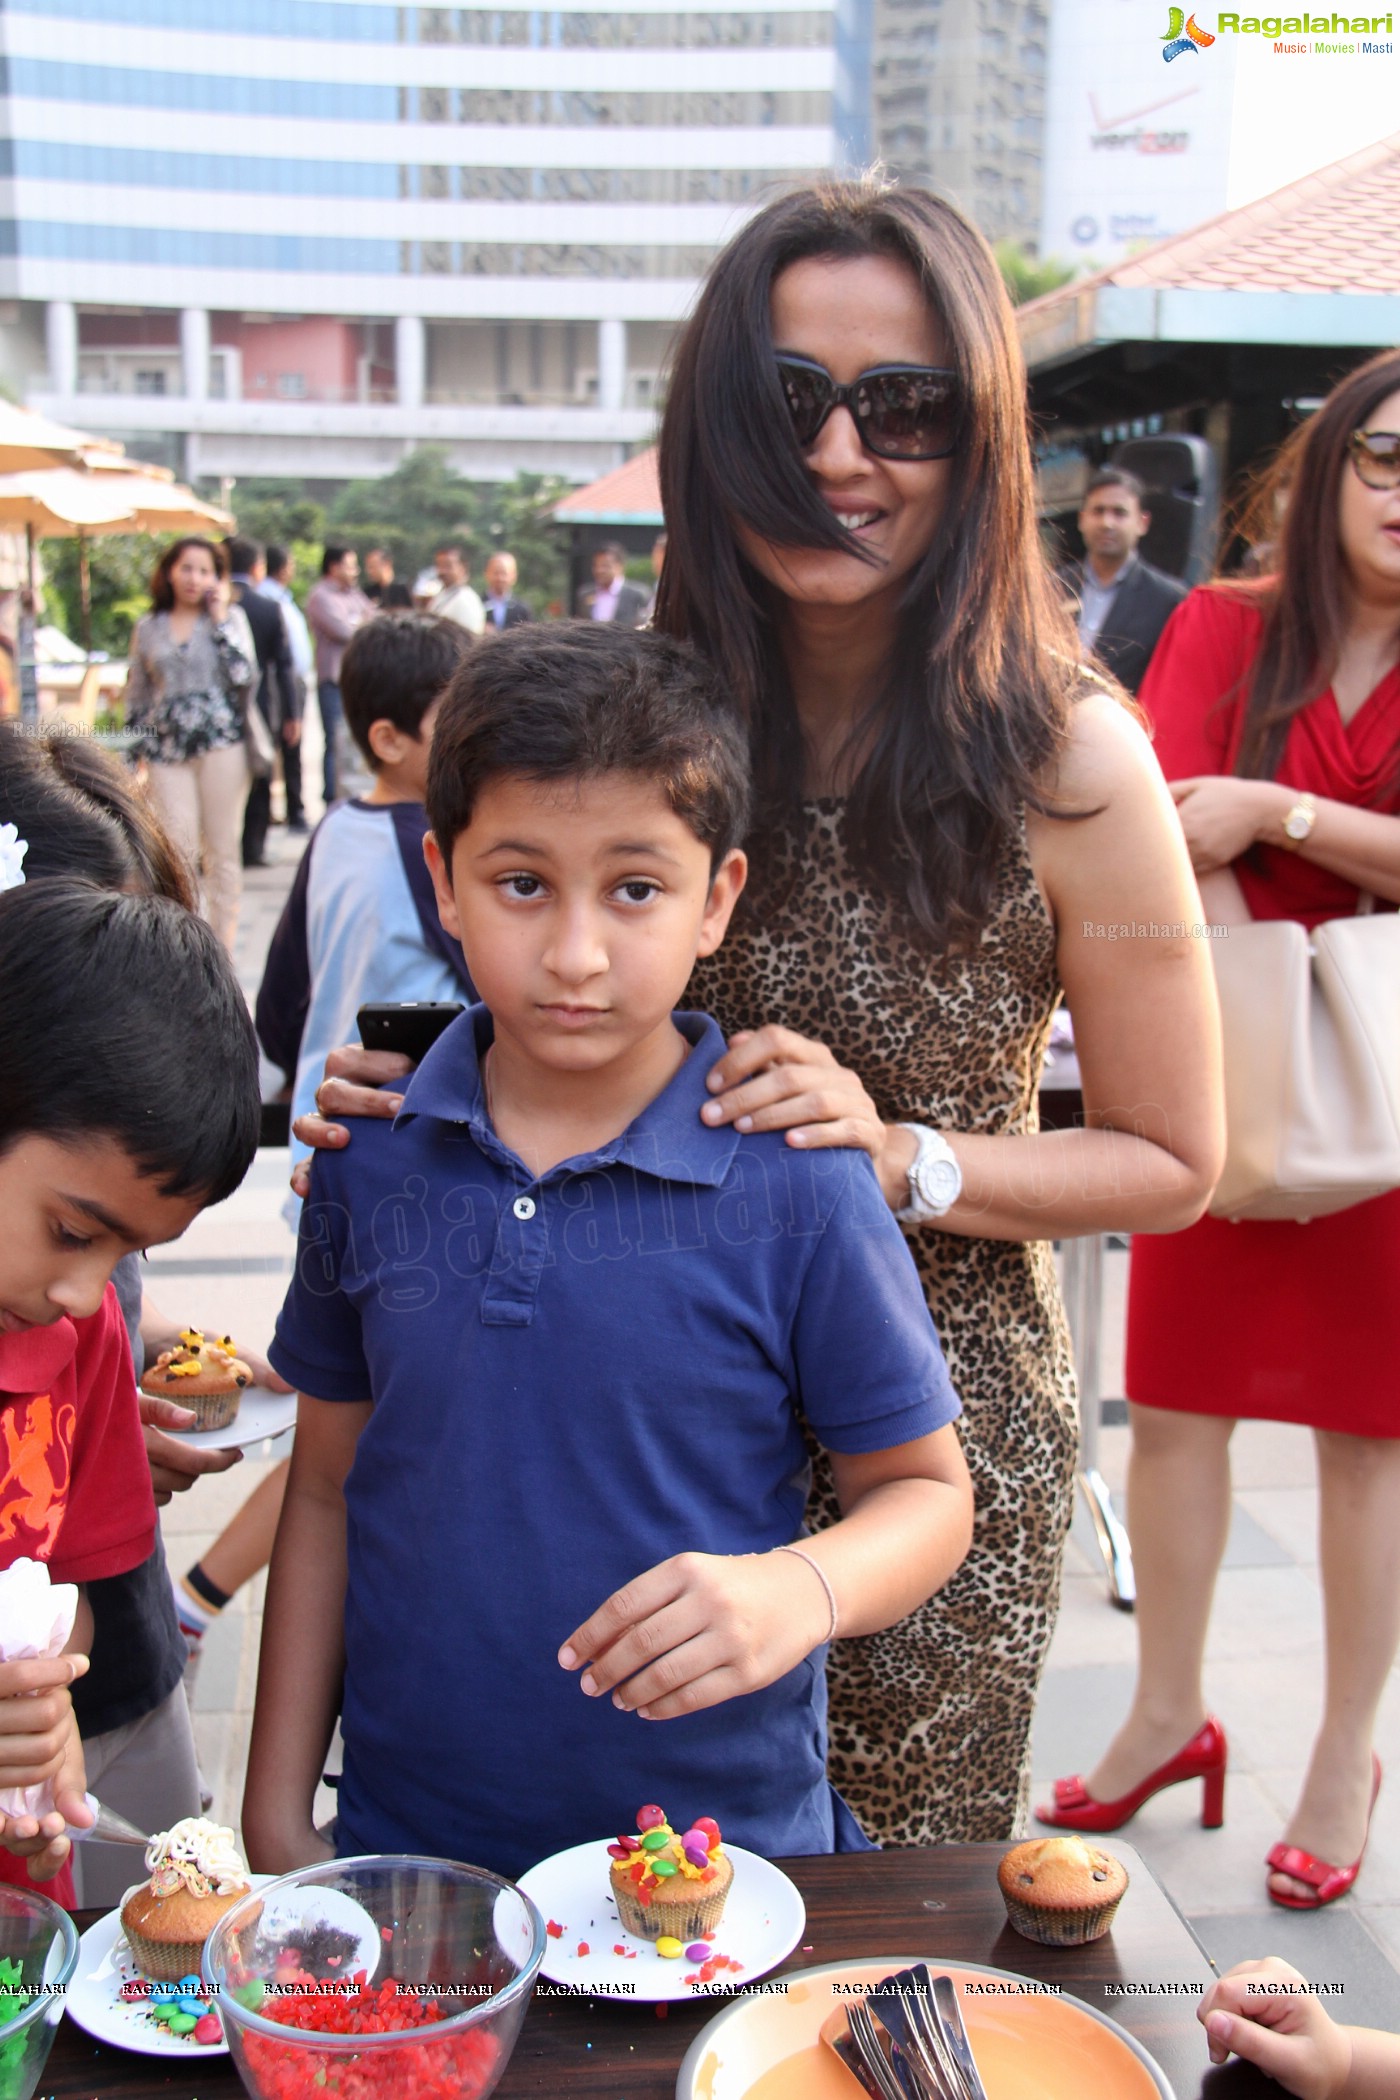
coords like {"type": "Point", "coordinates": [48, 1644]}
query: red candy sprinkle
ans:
{"type": "Point", "coordinates": [581, 1948]}
{"type": "Point", "coordinates": [556, 1932]}
{"type": "Point", "coordinates": [460, 2067]}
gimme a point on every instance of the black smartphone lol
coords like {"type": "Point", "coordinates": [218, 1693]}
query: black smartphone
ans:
{"type": "Point", "coordinates": [410, 1026]}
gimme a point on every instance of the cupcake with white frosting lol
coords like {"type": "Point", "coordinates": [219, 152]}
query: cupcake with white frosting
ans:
{"type": "Point", "coordinates": [196, 1873]}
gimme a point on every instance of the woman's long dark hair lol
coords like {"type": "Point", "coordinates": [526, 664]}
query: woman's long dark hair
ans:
{"type": "Point", "coordinates": [162, 589]}
{"type": "Point", "coordinates": [1306, 603]}
{"type": "Point", "coordinates": [983, 657]}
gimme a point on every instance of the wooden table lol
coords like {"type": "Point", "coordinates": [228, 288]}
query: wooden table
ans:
{"type": "Point", "coordinates": [941, 1902]}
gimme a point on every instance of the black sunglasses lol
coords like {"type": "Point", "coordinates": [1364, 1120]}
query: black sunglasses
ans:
{"type": "Point", "coordinates": [1375, 454]}
{"type": "Point", "coordinates": [900, 411]}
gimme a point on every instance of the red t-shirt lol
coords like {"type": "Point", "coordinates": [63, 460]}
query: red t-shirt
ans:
{"type": "Point", "coordinates": [75, 1488]}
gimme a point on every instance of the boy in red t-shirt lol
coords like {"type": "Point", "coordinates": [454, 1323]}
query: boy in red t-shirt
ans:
{"type": "Point", "coordinates": [128, 1101]}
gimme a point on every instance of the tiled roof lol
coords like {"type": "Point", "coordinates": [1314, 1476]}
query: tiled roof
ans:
{"type": "Point", "coordinates": [1336, 230]}
{"type": "Point", "coordinates": [630, 492]}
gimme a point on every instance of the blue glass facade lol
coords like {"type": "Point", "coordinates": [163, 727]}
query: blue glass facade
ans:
{"type": "Point", "coordinates": [194, 248]}
{"type": "Point", "coordinates": [143, 88]}
{"type": "Point", "coordinates": [303, 18]}
{"type": "Point", "coordinates": [150, 167]}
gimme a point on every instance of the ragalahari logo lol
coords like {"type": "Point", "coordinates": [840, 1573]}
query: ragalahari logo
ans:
{"type": "Point", "coordinates": [1183, 34]}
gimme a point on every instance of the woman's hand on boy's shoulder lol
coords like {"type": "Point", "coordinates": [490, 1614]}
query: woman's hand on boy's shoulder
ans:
{"type": "Point", "coordinates": [356, 1084]}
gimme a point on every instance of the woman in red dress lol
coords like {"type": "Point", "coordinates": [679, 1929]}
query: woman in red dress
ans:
{"type": "Point", "coordinates": [1276, 709]}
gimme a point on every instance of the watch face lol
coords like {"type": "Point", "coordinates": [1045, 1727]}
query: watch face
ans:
{"type": "Point", "coordinates": [938, 1181]}
{"type": "Point", "coordinates": [1298, 824]}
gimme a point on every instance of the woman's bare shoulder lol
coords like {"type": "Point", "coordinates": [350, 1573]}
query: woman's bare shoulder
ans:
{"type": "Point", "coordinates": [1106, 750]}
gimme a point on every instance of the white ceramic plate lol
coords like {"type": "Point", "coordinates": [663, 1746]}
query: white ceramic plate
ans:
{"type": "Point", "coordinates": [1028, 2046]}
{"type": "Point", "coordinates": [261, 1413]}
{"type": "Point", "coordinates": [95, 2001]}
{"type": "Point", "coordinates": [763, 1921]}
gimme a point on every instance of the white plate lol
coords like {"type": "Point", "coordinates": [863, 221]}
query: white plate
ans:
{"type": "Point", "coordinates": [763, 1921]}
{"type": "Point", "coordinates": [95, 2001]}
{"type": "Point", "coordinates": [261, 1413]}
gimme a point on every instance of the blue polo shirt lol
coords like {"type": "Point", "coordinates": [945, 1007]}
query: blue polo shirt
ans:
{"type": "Point", "coordinates": [574, 1377]}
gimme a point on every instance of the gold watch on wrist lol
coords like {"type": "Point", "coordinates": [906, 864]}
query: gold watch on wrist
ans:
{"type": "Point", "coordinates": [1298, 824]}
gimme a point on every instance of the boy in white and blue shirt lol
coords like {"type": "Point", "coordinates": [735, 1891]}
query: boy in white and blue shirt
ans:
{"type": "Point", "coordinates": [361, 922]}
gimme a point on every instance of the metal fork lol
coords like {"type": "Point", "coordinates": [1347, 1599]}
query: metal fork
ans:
{"type": "Point", "coordinates": [866, 2037]}
{"type": "Point", "coordinates": [903, 2003]}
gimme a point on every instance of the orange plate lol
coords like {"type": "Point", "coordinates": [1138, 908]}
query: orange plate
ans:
{"type": "Point", "coordinates": [1028, 2046]}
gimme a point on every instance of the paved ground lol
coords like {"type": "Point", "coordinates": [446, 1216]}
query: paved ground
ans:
{"type": "Point", "coordinates": [1265, 1667]}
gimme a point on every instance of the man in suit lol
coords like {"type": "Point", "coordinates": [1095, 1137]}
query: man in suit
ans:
{"type": "Point", "coordinates": [279, 691]}
{"type": "Point", "coordinates": [503, 608]}
{"type": "Point", "coordinates": [610, 598]}
{"type": "Point", "coordinates": [1124, 603]}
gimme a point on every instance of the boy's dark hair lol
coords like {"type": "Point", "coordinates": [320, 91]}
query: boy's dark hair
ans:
{"type": "Point", "coordinates": [124, 1019]}
{"type": "Point", "coordinates": [277, 559]}
{"type": "Point", "coordinates": [1116, 478]}
{"type": "Point", "coordinates": [79, 814]}
{"type": "Point", "coordinates": [393, 669]}
{"type": "Point", "coordinates": [575, 701]}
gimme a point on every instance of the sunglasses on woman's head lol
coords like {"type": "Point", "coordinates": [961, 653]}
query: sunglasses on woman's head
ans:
{"type": "Point", "coordinates": [900, 411]}
{"type": "Point", "coordinates": [1375, 454]}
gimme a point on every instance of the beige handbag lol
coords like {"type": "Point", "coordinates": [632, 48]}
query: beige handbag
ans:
{"type": "Point", "coordinates": [1312, 1064]}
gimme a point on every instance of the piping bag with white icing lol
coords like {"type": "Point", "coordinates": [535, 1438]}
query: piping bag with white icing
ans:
{"type": "Point", "coordinates": [36, 1623]}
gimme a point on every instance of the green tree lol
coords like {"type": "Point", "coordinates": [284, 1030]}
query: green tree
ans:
{"type": "Point", "coordinates": [277, 512]}
{"type": "Point", "coordinates": [517, 516]}
{"type": "Point", "coordinates": [120, 567]}
{"type": "Point", "coordinates": [1025, 278]}
{"type": "Point", "coordinates": [409, 512]}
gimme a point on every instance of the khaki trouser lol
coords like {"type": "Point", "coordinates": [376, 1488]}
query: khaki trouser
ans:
{"type": "Point", "coordinates": [146, 1771]}
{"type": "Point", "coordinates": [200, 803]}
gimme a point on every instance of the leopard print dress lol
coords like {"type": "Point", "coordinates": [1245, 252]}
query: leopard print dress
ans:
{"type": "Point", "coordinates": [930, 1720]}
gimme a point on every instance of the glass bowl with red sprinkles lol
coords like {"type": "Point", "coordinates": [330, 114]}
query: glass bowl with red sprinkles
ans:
{"type": "Point", "coordinates": [424, 2003]}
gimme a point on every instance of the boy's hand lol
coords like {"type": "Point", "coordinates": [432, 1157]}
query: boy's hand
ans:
{"type": "Point", "coordinates": [698, 1629]}
{"type": "Point", "coordinates": [354, 1085]}
{"type": "Point", "coordinates": [30, 1693]}
{"type": "Point", "coordinates": [1287, 2034]}
{"type": "Point", "coordinates": [175, 1466]}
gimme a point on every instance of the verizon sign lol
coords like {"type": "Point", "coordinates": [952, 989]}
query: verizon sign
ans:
{"type": "Point", "coordinates": [1137, 134]}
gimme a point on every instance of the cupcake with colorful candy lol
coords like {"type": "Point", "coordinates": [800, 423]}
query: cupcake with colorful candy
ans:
{"type": "Point", "coordinates": [668, 1884]}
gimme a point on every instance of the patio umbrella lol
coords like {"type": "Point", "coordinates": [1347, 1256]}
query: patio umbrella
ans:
{"type": "Point", "coordinates": [113, 497]}
{"type": "Point", "coordinates": [27, 440]}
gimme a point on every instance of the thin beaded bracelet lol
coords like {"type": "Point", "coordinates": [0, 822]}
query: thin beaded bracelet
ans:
{"type": "Point", "coordinates": [821, 1576]}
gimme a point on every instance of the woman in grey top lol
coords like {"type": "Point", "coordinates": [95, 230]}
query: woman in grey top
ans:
{"type": "Point", "coordinates": [192, 663]}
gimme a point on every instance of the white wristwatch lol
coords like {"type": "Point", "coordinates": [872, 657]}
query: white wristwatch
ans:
{"type": "Point", "coordinates": [935, 1178]}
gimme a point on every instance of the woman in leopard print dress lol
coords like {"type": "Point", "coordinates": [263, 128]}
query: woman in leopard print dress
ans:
{"type": "Point", "coordinates": [954, 825]}
{"type": "Point", "coordinates": [915, 907]}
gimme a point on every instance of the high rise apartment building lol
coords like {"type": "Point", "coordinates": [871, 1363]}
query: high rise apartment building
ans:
{"type": "Point", "coordinates": [298, 237]}
{"type": "Point", "coordinates": [958, 105]}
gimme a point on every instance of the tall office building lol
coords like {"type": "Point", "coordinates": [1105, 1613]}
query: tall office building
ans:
{"type": "Point", "coordinates": [958, 105]}
{"type": "Point", "coordinates": [298, 237]}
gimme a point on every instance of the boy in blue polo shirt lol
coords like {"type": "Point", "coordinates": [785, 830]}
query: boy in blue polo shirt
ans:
{"type": "Point", "coordinates": [552, 1334]}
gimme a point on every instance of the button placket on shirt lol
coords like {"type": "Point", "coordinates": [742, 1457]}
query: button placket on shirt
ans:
{"type": "Point", "coordinates": [521, 1252]}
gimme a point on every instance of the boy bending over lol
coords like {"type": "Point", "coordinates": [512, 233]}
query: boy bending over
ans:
{"type": "Point", "coordinates": [553, 1333]}
{"type": "Point", "coordinates": [128, 1101]}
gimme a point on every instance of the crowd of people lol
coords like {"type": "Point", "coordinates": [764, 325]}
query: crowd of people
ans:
{"type": "Point", "coordinates": [730, 1177]}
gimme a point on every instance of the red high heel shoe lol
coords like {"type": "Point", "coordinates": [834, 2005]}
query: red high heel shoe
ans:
{"type": "Point", "coordinates": [1204, 1758]}
{"type": "Point", "coordinates": [1329, 1882]}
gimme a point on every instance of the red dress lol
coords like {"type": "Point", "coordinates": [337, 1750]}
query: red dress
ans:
{"type": "Point", "coordinates": [1275, 1321]}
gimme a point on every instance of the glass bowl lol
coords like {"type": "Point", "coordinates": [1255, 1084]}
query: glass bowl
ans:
{"type": "Point", "coordinates": [385, 1975]}
{"type": "Point", "coordinates": [38, 1954]}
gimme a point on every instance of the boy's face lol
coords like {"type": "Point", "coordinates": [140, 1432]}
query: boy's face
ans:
{"type": "Point", "coordinates": [71, 1211]}
{"type": "Point", "coordinates": [582, 907]}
